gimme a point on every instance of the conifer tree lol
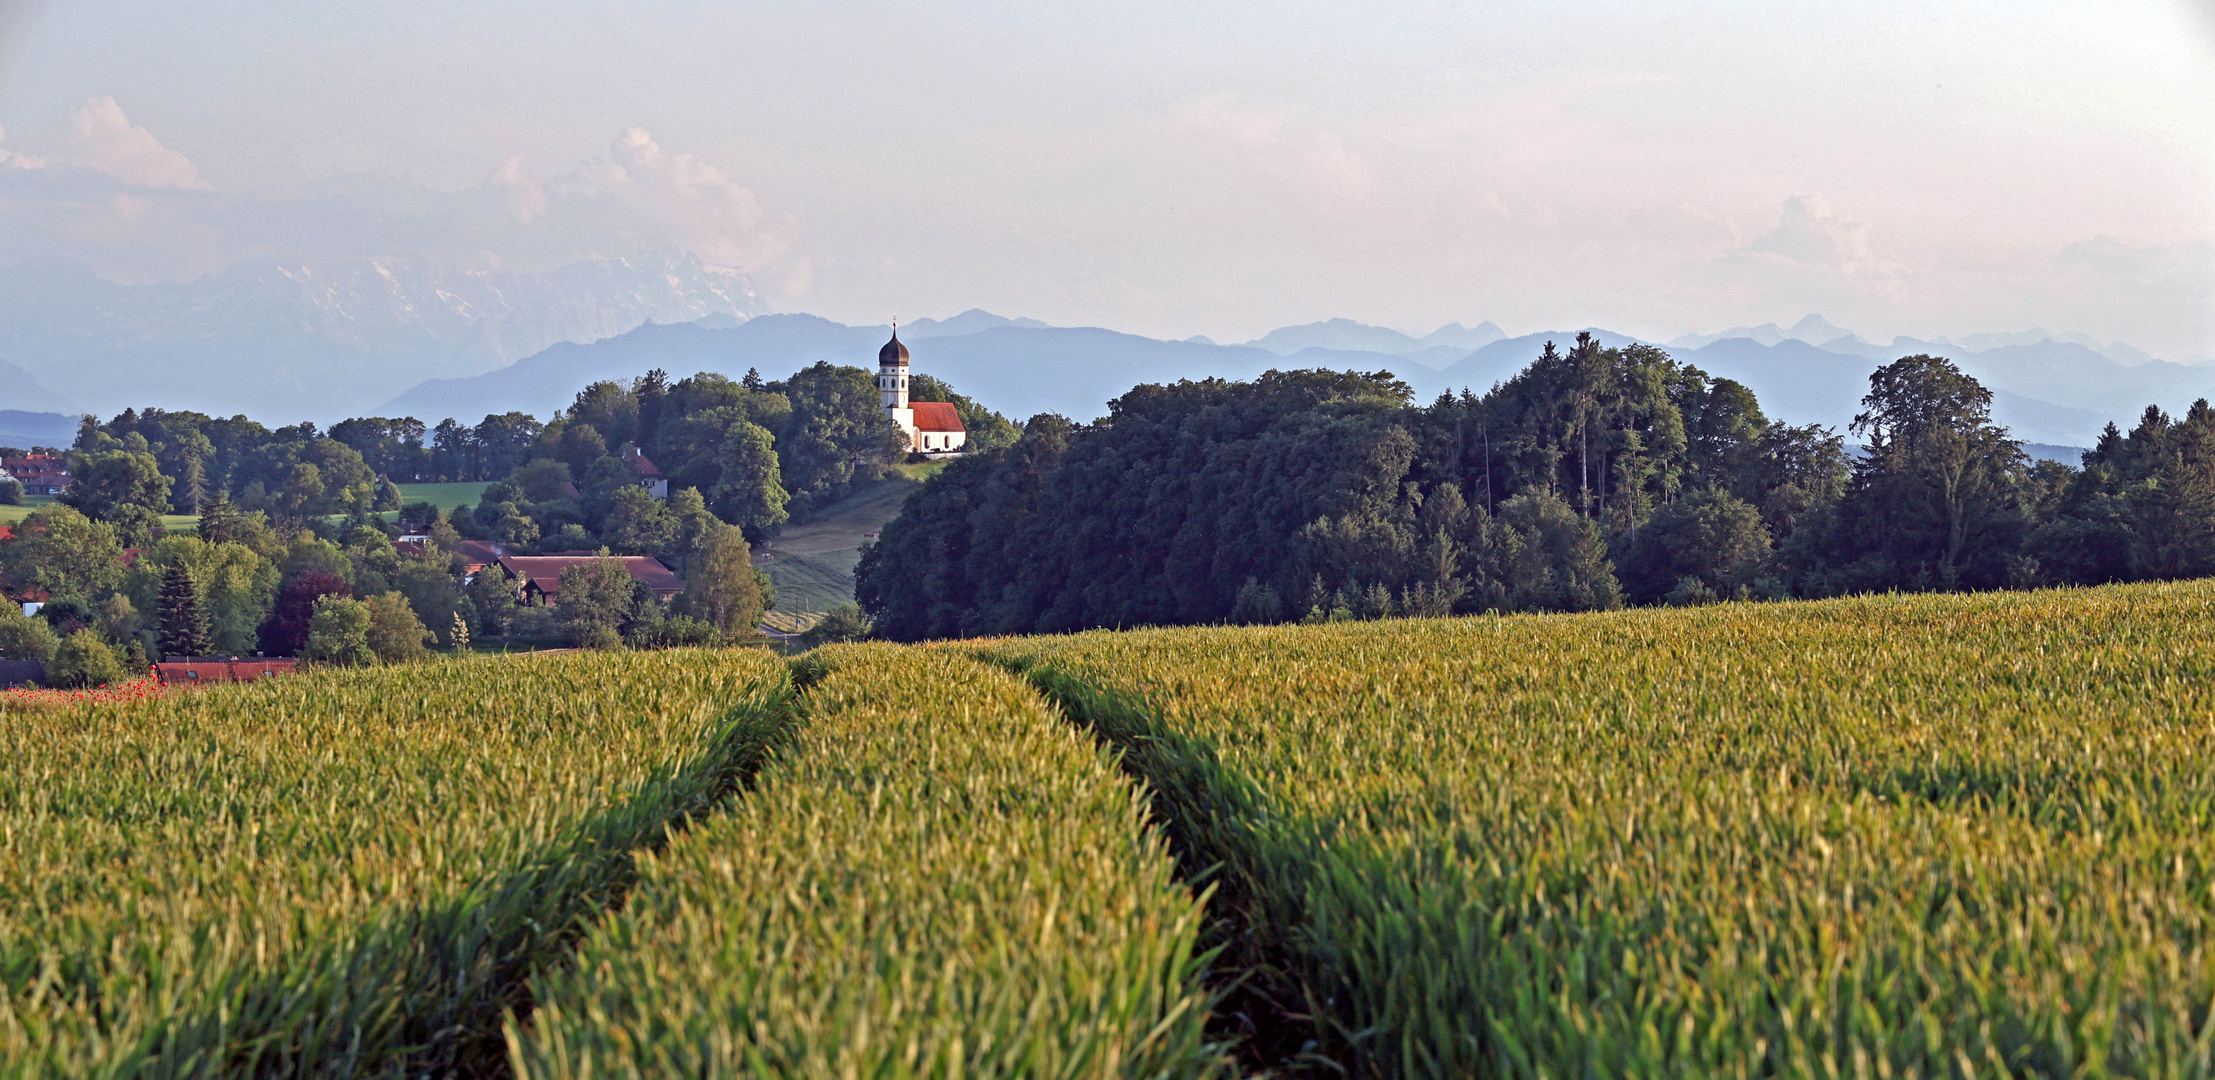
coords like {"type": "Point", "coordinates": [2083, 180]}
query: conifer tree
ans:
{"type": "Point", "coordinates": [184, 623]}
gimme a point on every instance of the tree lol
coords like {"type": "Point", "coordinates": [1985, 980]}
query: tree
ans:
{"type": "Point", "coordinates": [290, 622]}
{"type": "Point", "coordinates": [11, 491]}
{"type": "Point", "coordinates": [223, 522]}
{"type": "Point", "coordinates": [984, 429]}
{"type": "Point", "coordinates": [837, 422]}
{"type": "Point", "coordinates": [749, 491]}
{"type": "Point", "coordinates": [305, 478]}
{"type": "Point", "coordinates": [1553, 557]}
{"type": "Point", "coordinates": [542, 480]}
{"type": "Point", "coordinates": [338, 633]}
{"type": "Point", "coordinates": [1709, 535]}
{"type": "Point", "coordinates": [1936, 502]}
{"type": "Point", "coordinates": [395, 634]}
{"type": "Point", "coordinates": [610, 409]}
{"type": "Point", "coordinates": [637, 523]}
{"type": "Point", "coordinates": [720, 586]}
{"type": "Point", "coordinates": [503, 442]}
{"type": "Point", "coordinates": [60, 552]}
{"type": "Point", "coordinates": [83, 659]}
{"type": "Point", "coordinates": [430, 591]}
{"type": "Point", "coordinates": [844, 622]}
{"type": "Point", "coordinates": [593, 599]}
{"type": "Point", "coordinates": [184, 624]}
{"type": "Point", "coordinates": [25, 638]}
{"type": "Point", "coordinates": [103, 484]}
{"type": "Point", "coordinates": [492, 594]}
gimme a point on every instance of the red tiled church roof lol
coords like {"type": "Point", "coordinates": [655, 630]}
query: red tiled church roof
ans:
{"type": "Point", "coordinates": [936, 416]}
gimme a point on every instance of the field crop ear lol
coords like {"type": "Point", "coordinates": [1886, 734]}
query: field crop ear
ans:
{"type": "Point", "coordinates": [807, 670]}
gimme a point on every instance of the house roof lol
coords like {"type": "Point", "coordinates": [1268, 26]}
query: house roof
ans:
{"type": "Point", "coordinates": [936, 416]}
{"type": "Point", "coordinates": [200, 672]}
{"type": "Point", "coordinates": [544, 571]}
{"type": "Point", "coordinates": [481, 552]}
{"type": "Point", "coordinates": [645, 466]}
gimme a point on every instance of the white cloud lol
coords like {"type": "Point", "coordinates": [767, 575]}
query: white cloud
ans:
{"type": "Point", "coordinates": [525, 196]}
{"type": "Point", "coordinates": [105, 139]}
{"type": "Point", "coordinates": [12, 160]}
{"type": "Point", "coordinates": [677, 200]}
{"type": "Point", "coordinates": [1811, 235]}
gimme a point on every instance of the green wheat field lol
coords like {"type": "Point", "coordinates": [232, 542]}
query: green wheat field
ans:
{"type": "Point", "coordinates": [1900, 836]}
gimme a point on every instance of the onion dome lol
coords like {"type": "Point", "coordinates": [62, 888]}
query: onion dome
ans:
{"type": "Point", "coordinates": [893, 352]}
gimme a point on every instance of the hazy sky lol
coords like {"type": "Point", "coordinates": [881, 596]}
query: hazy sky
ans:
{"type": "Point", "coordinates": [1169, 168]}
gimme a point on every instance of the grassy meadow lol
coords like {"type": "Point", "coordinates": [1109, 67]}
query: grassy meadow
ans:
{"type": "Point", "coordinates": [447, 496]}
{"type": "Point", "coordinates": [811, 560]}
{"type": "Point", "coordinates": [1957, 835]}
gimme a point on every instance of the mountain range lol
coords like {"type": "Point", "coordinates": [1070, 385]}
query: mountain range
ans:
{"type": "Point", "coordinates": [325, 339]}
{"type": "Point", "coordinates": [1023, 367]}
{"type": "Point", "coordinates": [321, 338]}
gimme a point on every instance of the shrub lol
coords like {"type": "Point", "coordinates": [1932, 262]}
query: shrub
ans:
{"type": "Point", "coordinates": [83, 659]}
{"type": "Point", "coordinates": [677, 630]}
{"type": "Point", "coordinates": [844, 622]}
{"type": "Point", "coordinates": [338, 633]}
{"type": "Point", "coordinates": [395, 634]}
{"type": "Point", "coordinates": [23, 637]}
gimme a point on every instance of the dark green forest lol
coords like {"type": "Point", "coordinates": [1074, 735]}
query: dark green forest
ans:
{"type": "Point", "coordinates": [1594, 478]}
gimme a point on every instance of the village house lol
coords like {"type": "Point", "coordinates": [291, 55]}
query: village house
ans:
{"type": "Point", "coordinates": [209, 670]}
{"type": "Point", "coordinates": [538, 577]}
{"type": "Point", "coordinates": [649, 477]}
{"type": "Point", "coordinates": [931, 427]}
{"type": "Point", "coordinates": [40, 474]}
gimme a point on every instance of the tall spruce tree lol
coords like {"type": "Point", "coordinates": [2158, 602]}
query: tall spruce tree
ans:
{"type": "Point", "coordinates": [184, 623]}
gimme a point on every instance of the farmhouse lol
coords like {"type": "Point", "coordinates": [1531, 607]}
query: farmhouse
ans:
{"type": "Point", "coordinates": [41, 474]}
{"type": "Point", "coordinates": [538, 577]}
{"type": "Point", "coordinates": [932, 427]}
{"type": "Point", "coordinates": [649, 477]}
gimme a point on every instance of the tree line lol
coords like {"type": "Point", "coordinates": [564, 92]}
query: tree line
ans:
{"type": "Point", "coordinates": [293, 553]}
{"type": "Point", "coordinates": [1594, 478]}
{"type": "Point", "coordinates": [758, 450]}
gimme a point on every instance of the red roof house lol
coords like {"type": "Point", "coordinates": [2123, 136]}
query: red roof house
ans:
{"type": "Point", "coordinates": [649, 475]}
{"type": "Point", "coordinates": [206, 670]}
{"type": "Point", "coordinates": [41, 474]}
{"type": "Point", "coordinates": [478, 554]}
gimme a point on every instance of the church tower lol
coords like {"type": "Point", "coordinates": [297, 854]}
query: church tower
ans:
{"type": "Point", "coordinates": [892, 381]}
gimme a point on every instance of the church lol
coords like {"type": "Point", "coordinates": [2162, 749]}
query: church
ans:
{"type": "Point", "coordinates": [932, 427]}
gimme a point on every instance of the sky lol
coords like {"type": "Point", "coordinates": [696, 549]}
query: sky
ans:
{"type": "Point", "coordinates": [1941, 167]}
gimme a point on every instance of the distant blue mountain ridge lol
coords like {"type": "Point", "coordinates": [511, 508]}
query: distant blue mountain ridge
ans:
{"type": "Point", "coordinates": [1023, 367]}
